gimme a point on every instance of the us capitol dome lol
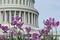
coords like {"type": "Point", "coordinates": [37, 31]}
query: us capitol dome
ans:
{"type": "Point", "coordinates": [22, 8]}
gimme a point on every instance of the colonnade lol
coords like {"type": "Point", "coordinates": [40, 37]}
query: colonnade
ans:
{"type": "Point", "coordinates": [27, 17]}
{"type": "Point", "coordinates": [17, 2]}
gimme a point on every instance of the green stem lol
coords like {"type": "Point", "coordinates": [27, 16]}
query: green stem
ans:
{"type": "Point", "coordinates": [44, 36]}
{"type": "Point", "coordinates": [23, 35]}
{"type": "Point", "coordinates": [28, 36]}
{"type": "Point", "coordinates": [56, 32]}
{"type": "Point", "coordinates": [11, 37]}
{"type": "Point", "coordinates": [52, 35]}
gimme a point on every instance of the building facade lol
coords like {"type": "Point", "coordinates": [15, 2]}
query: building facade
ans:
{"type": "Point", "coordinates": [22, 8]}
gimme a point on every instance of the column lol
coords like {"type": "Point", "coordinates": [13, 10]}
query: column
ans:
{"type": "Point", "coordinates": [10, 16]}
{"type": "Point", "coordinates": [24, 17]}
{"type": "Point", "coordinates": [5, 17]}
{"type": "Point", "coordinates": [32, 18]}
{"type": "Point", "coordinates": [28, 18]}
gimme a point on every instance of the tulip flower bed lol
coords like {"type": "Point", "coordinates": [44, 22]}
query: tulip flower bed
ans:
{"type": "Point", "coordinates": [17, 32]}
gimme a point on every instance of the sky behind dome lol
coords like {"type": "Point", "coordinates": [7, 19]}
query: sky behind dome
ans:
{"type": "Point", "coordinates": [47, 9]}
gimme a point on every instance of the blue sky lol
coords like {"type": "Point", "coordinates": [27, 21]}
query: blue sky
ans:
{"type": "Point", "coordinates": [46, 9]}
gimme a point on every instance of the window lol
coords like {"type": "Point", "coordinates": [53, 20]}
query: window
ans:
{"type": "Point", "coordinates": [2, 15]}
{"type": "Point", "coordinates": [29, 3]}
{"type": "Point", "coordinates": [33, 18]}
{"type": "Point", "coordinates": [12, 13]}
{"type": "Point", "coordinates": [26, 2]}
{"type": "Point", "coordinates": [8, 1]}
{"type": "Point", "coordinates": [22, 16]}
{"type": "Point", "coordinates": [23, 2]}
{"type": "Point", "coordinates": [17, 12]}
{"type": "Point", "coordinates": [27, 17]}
{"type": "Point", "coordinates": [4, 1]}
{"type": "Point", "coordinates": [12, 1]}
{"type": "Point", "coordinates": [7, 12]}
{"type": "Point", "coordinates": [36, 20]}
{"type": "Point", "coordinates": [16, 1]}
{"type": "Point", "coordinates": [0, 1]}
{"type": "Point", "coordinates": [20, 1]}
{"type": "Point", "coordinates": [30, 18]}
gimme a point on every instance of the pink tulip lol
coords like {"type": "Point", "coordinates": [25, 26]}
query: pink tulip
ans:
{"type": "Point", "coordinates": [28, 29]}
{"type": "Point", "coordinates": [13, 23]}
{"type": "Point", "coordinates": [38, 38]}
{"type": "Point", "coordinates": [34, 35]}
{"type": "Point", "coordinates": [19, 24]}
{"type": "Point", "coordinates": [57, 23]}
{"type": "Point", "coordinates": [14, 33]}
{"type": "Point", "coordinates": [17, 18]}
{"type": "Point", "coordinates": [5, 28]}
